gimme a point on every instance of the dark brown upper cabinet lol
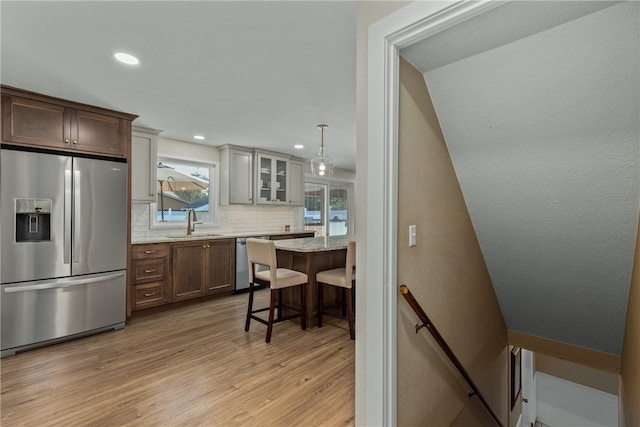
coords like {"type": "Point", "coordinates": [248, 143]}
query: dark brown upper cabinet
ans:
{"type": "Point", "coordinates": [37, 120]}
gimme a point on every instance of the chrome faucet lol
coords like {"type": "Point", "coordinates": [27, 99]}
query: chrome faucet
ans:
{"type": "Point", "coordinates": [191, 221]}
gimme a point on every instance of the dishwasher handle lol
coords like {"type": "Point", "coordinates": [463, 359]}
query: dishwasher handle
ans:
{"type": "Point", "coordinates": [243, 240]}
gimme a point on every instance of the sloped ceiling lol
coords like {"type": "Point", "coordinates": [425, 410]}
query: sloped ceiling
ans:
{"type": "Point", "coordinates": [252, 73]}
{"type": "Point", "coordinates": [542, 121]}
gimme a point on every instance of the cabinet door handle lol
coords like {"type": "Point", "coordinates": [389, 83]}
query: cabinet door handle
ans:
{"type": "Point", "coordinates": [153, 270]}
{"type": "Point", "coordinates": [66, 140]}
{"type": "Point", "coordinates": [150, 294]}
{"type": "Point", "coordinates": [149, 252]}
{"type": "Point", "coordinates": [75, 141]}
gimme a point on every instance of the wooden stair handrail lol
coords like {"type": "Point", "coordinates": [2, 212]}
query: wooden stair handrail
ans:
{"type": "Point", "coordinates": [408, 296]}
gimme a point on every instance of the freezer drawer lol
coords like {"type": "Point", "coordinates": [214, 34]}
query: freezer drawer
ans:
{"type": "Point", "coordinates": [34, 313]}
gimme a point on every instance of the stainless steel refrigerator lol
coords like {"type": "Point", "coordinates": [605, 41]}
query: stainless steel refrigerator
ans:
{"type": "Point", "coordinates": [63, 222]}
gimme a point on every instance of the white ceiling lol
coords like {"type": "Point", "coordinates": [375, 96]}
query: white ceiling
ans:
{"type": "Point", "coordinates": [259, 74]}
{"type": "Point", "coordinates": [542, 121]}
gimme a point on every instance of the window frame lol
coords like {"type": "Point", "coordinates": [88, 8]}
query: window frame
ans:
{"type": "Point", "coordinates": [350, 186]}
{"type": "Point", "coordinates": [214, 194]}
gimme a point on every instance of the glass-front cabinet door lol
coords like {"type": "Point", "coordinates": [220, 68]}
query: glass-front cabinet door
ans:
{"type": "Point", "coordinates": [272, 179]}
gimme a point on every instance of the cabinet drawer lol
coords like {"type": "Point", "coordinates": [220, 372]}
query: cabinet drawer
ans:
{"type": "Point", "coordinates": [154, 250]}
{"type": "Point", "coordinates": [149, 295]}
{"type": "Point", "coordinates": [145, 270]}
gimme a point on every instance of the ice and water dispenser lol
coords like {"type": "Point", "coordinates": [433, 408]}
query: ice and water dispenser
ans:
{"type": "Point", "coordinates": [33, 220]}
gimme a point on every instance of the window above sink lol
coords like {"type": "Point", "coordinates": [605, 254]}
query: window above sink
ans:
{"type": "Point", "coordinates": [184, 185]}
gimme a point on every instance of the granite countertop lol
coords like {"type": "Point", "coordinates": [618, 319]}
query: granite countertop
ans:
{"type": "Point", "coordinates": [315, 244]}
{"type": "Point", "coordinates": [210, 234]}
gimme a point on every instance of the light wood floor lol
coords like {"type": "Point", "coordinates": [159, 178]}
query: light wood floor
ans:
{"type": "Point", "coordinates": [193, 365]}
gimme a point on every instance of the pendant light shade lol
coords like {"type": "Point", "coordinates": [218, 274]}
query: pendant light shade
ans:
{"type": "Point", "coordinates": [322, 165]}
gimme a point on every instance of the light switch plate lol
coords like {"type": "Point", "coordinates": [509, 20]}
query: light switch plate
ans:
{"type": "Point", "coordinates": [412, 235]}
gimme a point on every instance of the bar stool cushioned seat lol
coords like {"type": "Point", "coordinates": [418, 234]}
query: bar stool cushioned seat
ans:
{"type": "Point", "coordinates": [343, 277]}
{"type": "Point", "coordinates": [263, 252]}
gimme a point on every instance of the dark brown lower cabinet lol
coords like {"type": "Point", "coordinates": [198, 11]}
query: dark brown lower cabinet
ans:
{"type": "Point", "coordinates": [221, 264]}
{"type": "Point", "coordinates": [203, 267]}
{"type": "Point", "coordinates": [150, 275]}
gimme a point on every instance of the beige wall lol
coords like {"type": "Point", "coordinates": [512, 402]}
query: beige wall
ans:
{"type": "Point", "coordinates": [446, 273]}
{"type": "Point", "coordinates": [577, 373]}
{"type": "Point", "coordinates": [581, 355]}
{"type": "Point", "coordinates": [630, 360]}
{"type": "Point", "coordinates": [368, 13]}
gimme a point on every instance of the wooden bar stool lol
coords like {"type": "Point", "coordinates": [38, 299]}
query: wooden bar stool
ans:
{"type": "Point", "coordinates": [263, 252]}
{"type": "Point", "coordinates": [343, 277]}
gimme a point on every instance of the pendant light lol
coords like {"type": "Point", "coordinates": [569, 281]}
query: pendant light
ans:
{"type": "Point", "coordinates": [322, 165]}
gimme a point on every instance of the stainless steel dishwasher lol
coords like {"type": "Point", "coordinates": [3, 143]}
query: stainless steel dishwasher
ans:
{"type": "Point", "coordinates": [242, 263]}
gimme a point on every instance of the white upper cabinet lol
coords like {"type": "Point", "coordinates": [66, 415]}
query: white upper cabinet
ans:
{"type": "Point", "coordinates": [296, 183]}
{"type": "Point", "coordinates": [143, 163]}
{"type": "Point", "coordinates": [250, 176]}
{"type": "Point", "coordinates": [236, 175]}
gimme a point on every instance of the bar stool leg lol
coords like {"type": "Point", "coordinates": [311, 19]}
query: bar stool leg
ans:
{"type": "Point", "coordinates": [272, 307]}
{"type": "Point", "coordinates": [320, 305]}
{"type": "Point", "coordinates": [250, 308]}
{"type": "Point", "coordinates": [352, 332]}
{"type": "Point", "coordinates": [303, 307]}
{"type": "Point", "coordinates": [279, 317]}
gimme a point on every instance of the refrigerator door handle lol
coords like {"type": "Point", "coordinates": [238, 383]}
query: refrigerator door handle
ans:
{"type": "Point", "coordinates": [77, 217]}
{"type": "Point", "coordinates": [67, 216]}
{"type": "Point", "coordinates": [57, 284]}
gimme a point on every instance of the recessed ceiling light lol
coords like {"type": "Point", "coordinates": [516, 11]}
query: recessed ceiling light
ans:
{"type": "Point", "coordinates": [198, 137]}
{"type": "Point", "coordinates": [298, 146]}
{"type": "Point", "coordinates": [126, 58]}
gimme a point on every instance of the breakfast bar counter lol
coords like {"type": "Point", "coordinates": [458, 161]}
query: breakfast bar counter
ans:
{"type": "Point", "coordinates": [315, 244]}
{"type": "Point", "coordinates": [311, 255]}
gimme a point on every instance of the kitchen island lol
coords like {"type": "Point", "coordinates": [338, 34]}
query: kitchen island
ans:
{"type": "Point", "coordinates": [312, 255]}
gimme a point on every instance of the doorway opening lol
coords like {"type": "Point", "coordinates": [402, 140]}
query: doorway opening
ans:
{"type": "Point", "coordinates": [327, 208]}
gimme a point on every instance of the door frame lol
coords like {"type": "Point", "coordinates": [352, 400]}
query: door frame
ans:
{"type": "Point", "coordinates": [349, 185]}
{"type": "Point", "coordinates": [376, 386]}
{"type": "Point", "coordinates": [528, 388]}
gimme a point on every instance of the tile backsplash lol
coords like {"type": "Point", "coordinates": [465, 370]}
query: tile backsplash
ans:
{"type": "Point", "coordinates": [232, 218]}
